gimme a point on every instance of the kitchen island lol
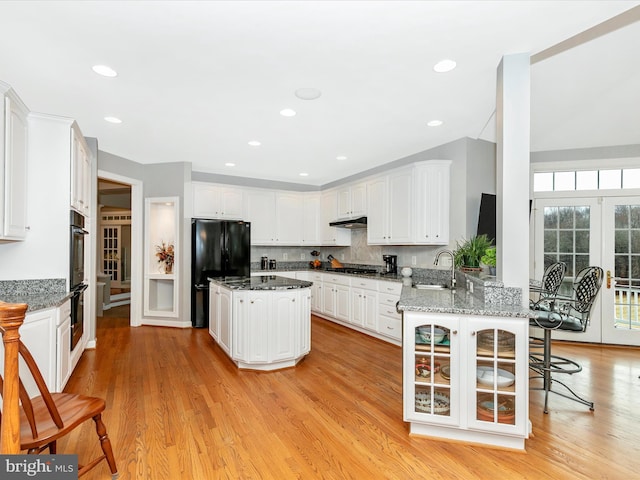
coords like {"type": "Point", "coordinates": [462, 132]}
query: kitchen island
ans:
{"type": "Point", "coordinates": [261, 322]}
{"type": "Point", "coordinates": [465, 367]}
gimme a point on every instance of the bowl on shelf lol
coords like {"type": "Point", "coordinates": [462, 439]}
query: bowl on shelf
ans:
{"type": "Point", "coordinates": [440, 404]}
{"type": "Point", "coordinates": [486, 408]}
{"type": "Point", "coordinates": [425, 334]}
{"type": "Point", "coordinates": [484, 375]}
{"type": "Point", "coordinates": [505, 340]}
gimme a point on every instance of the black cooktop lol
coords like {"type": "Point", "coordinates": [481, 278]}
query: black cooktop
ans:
{"type": "Point", "coordinates": [363, 271]}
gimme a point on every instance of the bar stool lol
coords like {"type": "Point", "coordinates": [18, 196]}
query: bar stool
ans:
{"type": "Point", "coordinates": [567, 314]}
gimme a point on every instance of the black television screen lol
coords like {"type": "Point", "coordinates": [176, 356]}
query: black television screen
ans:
{"type": "Point", "coordinates": [487, 217]}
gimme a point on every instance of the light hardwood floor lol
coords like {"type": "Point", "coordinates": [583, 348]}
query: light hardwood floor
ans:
{"type": "Point", "coordinates": [177, 408]}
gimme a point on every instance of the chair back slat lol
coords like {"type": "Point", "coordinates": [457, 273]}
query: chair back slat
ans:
{"type": "Point", "coordinates": [42, 388]}
{"type": "Point", "coordinates": [552, 278]}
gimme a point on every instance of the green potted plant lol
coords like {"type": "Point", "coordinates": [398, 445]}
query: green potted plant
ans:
{"type": "Point", "coordinates": [468, 254]}
{"type": "Point", "coordinates": [489, 259]}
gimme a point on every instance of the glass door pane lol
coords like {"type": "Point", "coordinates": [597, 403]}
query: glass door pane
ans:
{"type": "Point", "coordinates": [621, 287]}
{"type": "Point", "coordinates": [569, 230]}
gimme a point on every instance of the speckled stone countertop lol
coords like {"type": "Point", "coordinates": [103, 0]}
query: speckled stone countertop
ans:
{"type": "Point", "coordinates": [38, 294]}
{"type": "Point", "coordinates": [461, 302]}
{"type": "Point", "coordinates": [263, 282]}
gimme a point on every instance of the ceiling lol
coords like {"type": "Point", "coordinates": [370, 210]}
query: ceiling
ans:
{"type": "Point", "coordinates": [198, 80]}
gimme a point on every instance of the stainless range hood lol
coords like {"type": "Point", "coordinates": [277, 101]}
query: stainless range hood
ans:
{"type": "Point", "coordinates": [360, 222]}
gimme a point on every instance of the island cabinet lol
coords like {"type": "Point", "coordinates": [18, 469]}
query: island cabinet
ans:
{"type": "Point", "coordinates": [466, 377]}
{"type": "Point", "coordinates": [261, 329]}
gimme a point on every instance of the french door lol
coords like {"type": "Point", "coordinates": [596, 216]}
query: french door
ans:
{"type": "Point", "coordinates": [603, 231]}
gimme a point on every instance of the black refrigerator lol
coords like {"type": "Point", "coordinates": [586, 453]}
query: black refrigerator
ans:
{"type": "Point", "coordinates": [219, 248]}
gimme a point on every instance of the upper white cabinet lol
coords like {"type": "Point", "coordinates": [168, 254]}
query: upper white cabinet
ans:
{"type": "Point", "coordinates": [390, 203]}
{"type": "Point", "coordinates": [329, 213]}
{"type": "Point", "coordinates": [13, 174]}
{"type": "Point", "coordinates": [161, 227]}
{"type": "Point", "coordinates": [275, 217]}
{"type": "Point", "coordinates": [80, 172]}
{"type": "Point", "coordinates": [352, 201]}
{"type": "Point", "coordinates": [288, 218]}
{"type": "Point", "coordinates": [410, 205]}
{"type": "Point", "coordinates": [217, 201]}
{"type": "Point", "coordinates": [432, 208]}
{"type": "Point", "coordinates": [311, 219]}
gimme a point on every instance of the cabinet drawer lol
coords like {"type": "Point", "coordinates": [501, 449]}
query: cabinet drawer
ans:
{"type": "Point", "coordinates": [388, 301]}
{"type": "Point", "coordinates": [316, 277]}
{"type": "Point", "coordinates": [366, 283]}
{"type": "Point", "coordinates": [338, 279]}
{"type": "Point", "coordinates": [393, 288]}
{"type": "Point", "coordinates": [390, 327]}
{"type": "Point", "coordinates": [389, 310]}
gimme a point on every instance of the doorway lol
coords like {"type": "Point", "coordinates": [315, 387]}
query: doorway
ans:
{"type": "Point", "coordinates": [604, 231]}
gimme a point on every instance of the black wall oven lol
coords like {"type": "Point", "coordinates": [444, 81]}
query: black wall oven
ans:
{"type": "Point", "coordinates": [76, 276]}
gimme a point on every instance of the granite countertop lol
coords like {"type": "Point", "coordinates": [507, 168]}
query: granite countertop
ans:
{"type": "Point", "coordinates": [377, 276]}
{"type": "Point", "coordinates": [38, 294]}
{"type": "Point", "coordinates": [447, 301]}
{"type": "Point", "coordinates": [38, 301]}
{"type": "Point", "coordinates": [263, 282]}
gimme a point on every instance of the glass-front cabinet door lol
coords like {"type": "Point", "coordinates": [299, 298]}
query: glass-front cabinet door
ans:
{"type": "Point", "coordinates": [500, 386]}
{"type": "Point", "coordinates": [432, 370]}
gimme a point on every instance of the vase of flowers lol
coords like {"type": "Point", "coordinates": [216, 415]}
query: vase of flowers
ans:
{"type": "Point", "coordinates": [165, 253]}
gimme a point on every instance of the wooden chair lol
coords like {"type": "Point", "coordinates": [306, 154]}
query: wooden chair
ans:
{"type": "Point", "coordinates": [35, 424]}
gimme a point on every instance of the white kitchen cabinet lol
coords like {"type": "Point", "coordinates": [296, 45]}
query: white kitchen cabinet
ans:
{"type": "Point", "coordinates": [276, 217]}
{"type": "Point", "coordinates": [161, 226]}
{"type": "Point", "coordinates": [329, 213]}
{"type": "Point", "coordinates": [38, 333]}
{"type": "Point", "coordinates": [261, 212]}
{"type": "Point", "coordinates": [432, 207]}
{"type": "Point", "coordinates": [271, 328]}
{"type": "Point", "coordinates": [352, 201]}
{"type": "Point", "coordinates": [63, 345]}
{"type": "Point", "coordinates": [288, 218]}
{"type": "Point", "coordinates": [13, 163]}
{"type": "Point", "coordinates": [217, 201]}
{"type": "Point", "coordinates": [364, 303]}
{"type": "Point", "coordinates": [390, 206]}
{"type": "Point", "coordinates": [303, 328]}
{"type": "Point", "coordinates": [389, 319]}
{"type": "Point", "coordinates": [337, 296]}
{"type": "Point", "coordinates": [214, 310]}
{"type": "Point", "coordinates": [80, 172]}
{"type": "Point", "coordinates": [311, 219]}
{"type": "Point", "coordinates": [225, 315]}
{"type": "Point", "coordinates": [457, 368]}
{"type": "Point", "coordinates": [317, 300]}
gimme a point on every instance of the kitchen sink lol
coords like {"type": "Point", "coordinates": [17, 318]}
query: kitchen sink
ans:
{"type": "Point", "coordinates": [430, 286]}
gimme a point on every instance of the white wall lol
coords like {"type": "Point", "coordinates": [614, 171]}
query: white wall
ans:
{"type": "Point", "coordinates": [45, 252]}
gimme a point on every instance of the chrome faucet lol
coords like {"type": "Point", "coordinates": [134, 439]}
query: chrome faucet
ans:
{"type": "Point", "coordinates": [453, 265]}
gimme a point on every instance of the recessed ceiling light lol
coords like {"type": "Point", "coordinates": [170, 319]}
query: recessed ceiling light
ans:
{"type": "Point", "coordinates": [229, 164]}
{"type": "Point", "coordinates": [308, 93]}
{"type": "Point", "coordinates": [105, 71]}
{"type": "Point", "coordinates": [435, 123]}
{"type": "Point", "coordinates": [113, 119]}
{"type": "Point", "coordinates": [445, 65]}
{"type": "Point", "coordinates": [254, 143]}
{"type": "Point", "coordinates": [341, 157]}
{"type": "Point", "coordinates": [288, 112]}
{"type": "Point", "coordinates": [303, 174]}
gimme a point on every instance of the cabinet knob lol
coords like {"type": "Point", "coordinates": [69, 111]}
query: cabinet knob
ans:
{"type": "Point", "coordinates": [293, 299]}
{"type": "Point", "coordinates": [473, 334]}
{"type": "Point", "coordinates": [241, 301]}
{"type": "Point", "coordinates": [251, 301]}
{"type": "Point", "coordinates": [455, 332]}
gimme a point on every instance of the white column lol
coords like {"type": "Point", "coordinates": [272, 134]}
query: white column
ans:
{"type": "Point", "coordinates": [513, 144]}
